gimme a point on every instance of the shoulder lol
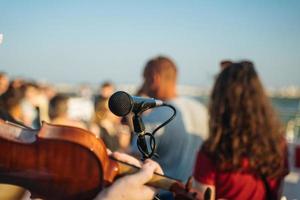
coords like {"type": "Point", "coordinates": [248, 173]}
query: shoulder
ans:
{"type": "Point", "coordinates": [202, 157]}
{"type": "Point", "coordinates": [187, 102]}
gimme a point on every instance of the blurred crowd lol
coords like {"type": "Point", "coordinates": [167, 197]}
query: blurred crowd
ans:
{"type": "Point", "coordinates": [235, 146]}
{"type": "Point", "coordinates": [32, 103]}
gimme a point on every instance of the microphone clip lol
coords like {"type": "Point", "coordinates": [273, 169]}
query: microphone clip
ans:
{"type": "Point", "coordinates": [146, 150]}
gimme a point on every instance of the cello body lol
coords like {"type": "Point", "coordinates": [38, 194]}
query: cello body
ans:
{"type": "Point", "coordinates": [55, 162]}
{"type": "Point", "coordinates": [67, 163]}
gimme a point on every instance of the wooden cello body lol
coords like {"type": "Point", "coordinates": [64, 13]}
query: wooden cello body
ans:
{"type": "Point", "coordinates": [57, 162]}
{"type": "Point", "coordinates": [63, 162]}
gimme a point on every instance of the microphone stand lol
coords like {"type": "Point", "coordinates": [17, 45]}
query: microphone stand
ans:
{"type": "Point", "coordinates": [139, 129]}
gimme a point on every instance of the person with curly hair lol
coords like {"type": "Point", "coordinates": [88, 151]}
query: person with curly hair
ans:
{"type": "Point", "coordinates": [245, 155]}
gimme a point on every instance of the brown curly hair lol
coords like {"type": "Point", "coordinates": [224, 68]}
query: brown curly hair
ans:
{"type": "Point", "coordinates": [243, 124]}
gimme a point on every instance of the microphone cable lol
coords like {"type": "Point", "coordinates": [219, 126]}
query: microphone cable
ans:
{"type": "Point", "coordinates": [151, 138]}
{"type": "Point", "coordinates": [167, 121]}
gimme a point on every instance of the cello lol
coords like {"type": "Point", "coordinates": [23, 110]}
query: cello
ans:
{"type": "Point", "coordinates": [64, 162]}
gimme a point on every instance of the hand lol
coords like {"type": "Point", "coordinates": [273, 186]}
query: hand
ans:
{"type": "Point", "coordinates": [133, 186]}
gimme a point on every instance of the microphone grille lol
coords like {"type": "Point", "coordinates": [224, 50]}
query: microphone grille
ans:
{"type": "Point", "coordinates": [120, 103]}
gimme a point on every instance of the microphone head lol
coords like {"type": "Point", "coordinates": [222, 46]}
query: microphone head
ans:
{"type": "Point", "coordinates": [120, 103]}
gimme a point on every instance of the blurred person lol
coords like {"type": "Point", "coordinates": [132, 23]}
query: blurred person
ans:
{"type": "Point", "coordinates": [85, 91]}
{"type": "Point", "coordinates": [81, 106]}
{"type": "Point", "coordinates": [179, 141]}
{"type": "Point", "coordinates": [17, 82]}
{"type": "Point", "coordinates": [49, 91]}
{"type": "Point", "coordinates": [46, 93]}
{"type": "Point", "coordinates": [4, 82]}
{"type": "Point", "coordinates": [115, 135]}
{"type": "Point", "coordinates": [28, 103]}
{"type": "Point", "coordinates": [58, 112]}
{"type": "Point", "coordinates": [10, 103]}
{"type": "Point", "coordinates": [245, 155]}
{"type": "Point", "coordinates": [34, 105]}
{"type": "Point", "coordinates": [106, 89]}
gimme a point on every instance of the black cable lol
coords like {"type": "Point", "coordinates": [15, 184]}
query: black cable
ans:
{"type": "Point", "coordinates": [152, 146]}
{"type": "Point", "coordinates": [152, 141]}
{"type": "Point", "coordinates": [167, 121]}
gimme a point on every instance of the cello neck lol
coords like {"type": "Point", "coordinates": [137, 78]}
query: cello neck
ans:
{"type": "Point", "coordinates": [157, 181]}
{"type": "Point", "coordinates": [163, 182]}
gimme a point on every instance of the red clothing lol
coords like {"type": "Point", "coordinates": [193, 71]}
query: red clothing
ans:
{"type": "Point", "coordinates": [232, 185]}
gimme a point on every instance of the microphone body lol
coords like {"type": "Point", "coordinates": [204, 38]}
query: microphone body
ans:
{"type": "Point", "coordinates": [121, 103]}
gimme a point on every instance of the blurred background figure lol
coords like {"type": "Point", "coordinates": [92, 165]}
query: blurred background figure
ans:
{"type": "Point", "coordinates": [115, 135]}
{"type": "Point", "coordinates": [4, 82]}
{"type": "Point", "coordinates": [34, 104]}
{"type": "Point", "coordinates": [17, 82]}
{"type": "Point", "coordinates": [48, 90]}
{"type": "Point", "coordinates": [11, 104]}
{"type": "Point", "coordinates": [85, 91]}
{"type": "Point", "coordinates": [106, 89]}
{"type": "Point", "coordinates": [58, 112]}
{"type": "Point", "coordinates": [179, 141]}
{"type": "Point", "coordinates": [245, 155]}
{"type": "Point", "coordinates": [80, 106]}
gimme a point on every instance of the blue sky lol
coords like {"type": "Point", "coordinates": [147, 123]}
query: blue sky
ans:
{"type": "Point", "coordinates": [92, 41]}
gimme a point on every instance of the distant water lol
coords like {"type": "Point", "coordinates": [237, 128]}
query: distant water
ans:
{"type": "Point", "coordinates": [287, 108]}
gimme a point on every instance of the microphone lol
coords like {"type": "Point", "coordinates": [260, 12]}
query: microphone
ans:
{"type": "Point", "coordinates": [121, 103]}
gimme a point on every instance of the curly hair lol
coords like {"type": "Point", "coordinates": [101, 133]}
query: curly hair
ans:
{"type": "Point", "coordinates": [243, 124]}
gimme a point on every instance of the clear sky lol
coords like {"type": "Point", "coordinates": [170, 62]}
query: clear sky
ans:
{"type": "Point", "coordinates": [91, 41]}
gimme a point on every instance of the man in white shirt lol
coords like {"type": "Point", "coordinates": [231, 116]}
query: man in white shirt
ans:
{"type": "Point", "coordinates": [179, 141]}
